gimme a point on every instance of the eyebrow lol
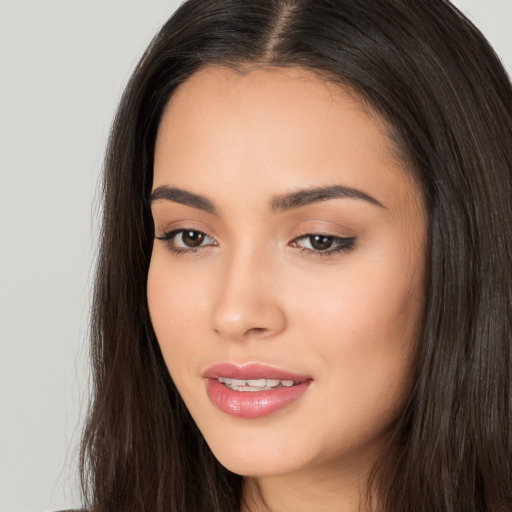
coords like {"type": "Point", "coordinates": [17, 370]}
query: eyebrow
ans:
{"type": "Point", "coordinates": [178, 195]}
{"type": "Point", "coordinates": [316, 195]}
{"type": "Point", "coordinates": [280, 203]}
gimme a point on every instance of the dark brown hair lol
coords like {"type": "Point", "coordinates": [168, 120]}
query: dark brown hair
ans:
{"type": "Point", "coordinates": [429, 72]}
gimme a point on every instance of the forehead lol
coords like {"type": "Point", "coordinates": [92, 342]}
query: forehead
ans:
{"type": "Point", "coordinates": [295, 93]}
{"type": "Point", "coordinates": [282, 127]}
{"type": "Point", "coordinates": [297, 96]}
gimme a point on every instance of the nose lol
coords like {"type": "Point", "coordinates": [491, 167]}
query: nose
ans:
{"type": "Point", "coordinates": [248, 302]}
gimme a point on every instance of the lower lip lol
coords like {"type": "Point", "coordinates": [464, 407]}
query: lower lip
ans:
{"type": "Point", "coordinates": [253, 404]}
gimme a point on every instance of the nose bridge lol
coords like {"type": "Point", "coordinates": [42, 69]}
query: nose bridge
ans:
{"type": "Point", "coordinates": [247, 301]}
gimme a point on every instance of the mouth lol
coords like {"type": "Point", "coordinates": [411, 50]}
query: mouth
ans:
{"type": "Point", "coordinates": [254, 390]}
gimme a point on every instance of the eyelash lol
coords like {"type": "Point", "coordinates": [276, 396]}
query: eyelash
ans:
{"type": "Point", "coordinates": [342, 244]}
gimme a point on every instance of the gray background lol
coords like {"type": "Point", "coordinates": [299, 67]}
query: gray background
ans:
{"type": "Point", "coordinates": [63, 64]}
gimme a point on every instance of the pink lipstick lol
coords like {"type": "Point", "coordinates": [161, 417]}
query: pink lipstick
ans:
{"type": "Point", "coordinates": [253, 390]}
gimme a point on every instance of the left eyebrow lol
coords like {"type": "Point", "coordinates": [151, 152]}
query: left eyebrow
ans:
{"type": "Point", "coordinates": [316, 195]}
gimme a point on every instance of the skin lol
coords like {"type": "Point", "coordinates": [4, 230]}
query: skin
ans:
{"type": "Point", "coordinates": [254, 291]}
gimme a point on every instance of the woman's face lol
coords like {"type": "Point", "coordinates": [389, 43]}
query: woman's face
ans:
{"type": "Point", "coordinates": [287, 275]}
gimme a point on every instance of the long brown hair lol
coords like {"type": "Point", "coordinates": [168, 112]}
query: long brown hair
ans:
{"type": "Point", "coordinates": [429, 72]}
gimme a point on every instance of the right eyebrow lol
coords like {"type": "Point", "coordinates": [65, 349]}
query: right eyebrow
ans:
{"type": "Point", "coordinates": [178, 195]}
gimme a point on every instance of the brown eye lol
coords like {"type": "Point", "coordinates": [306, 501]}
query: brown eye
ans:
{"type": "Point", "coordinates": [186, 240]}
{"type": "Point", "coordinates": [192, 238]}
{"type": "Point", "coordinates": [320, 242]}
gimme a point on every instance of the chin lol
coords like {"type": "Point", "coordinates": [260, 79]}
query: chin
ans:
{"type": "Point", "coordinates": [255, 451]}
{"type": "Point", "coordinates": [254, 463]}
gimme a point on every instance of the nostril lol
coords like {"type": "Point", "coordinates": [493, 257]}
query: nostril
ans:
{"type": "Point", "coordinates": [253, 331]}
{"type": "Point", "coordinates": [256, 330]}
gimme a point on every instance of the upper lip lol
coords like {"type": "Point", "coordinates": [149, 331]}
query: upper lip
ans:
{"type": "Point", "coordinates": [251, 371]}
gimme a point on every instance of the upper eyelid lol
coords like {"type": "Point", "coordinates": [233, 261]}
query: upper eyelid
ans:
{"type": "Point", "coordinates": [327, 235]}
{"type": "Point", "coordinates": [176, 226]}
{"type": "Point", "coordinates": [334, 237]}
{"type": "Point", "coordinates": [322, 231]}
{"type": "Point", "coordinates": [168, 234]}
{"type": "Point", "coordinates": [319, 232]}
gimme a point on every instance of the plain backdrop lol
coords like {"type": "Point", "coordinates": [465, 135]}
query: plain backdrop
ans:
{"type": "Point", "coordinates": [63, 65]}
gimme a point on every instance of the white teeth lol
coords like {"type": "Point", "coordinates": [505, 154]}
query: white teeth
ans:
{"type": "Point", "coordinates": [254, 384]}
{"type": "Point", "coordinates": [257, 383]}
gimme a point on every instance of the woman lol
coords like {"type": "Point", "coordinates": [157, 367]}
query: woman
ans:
{"type": "Point", "coordinates": [303, 295]}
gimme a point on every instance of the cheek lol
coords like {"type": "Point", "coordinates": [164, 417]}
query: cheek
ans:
{"type": "Point", "coordinates": [173, 301]}
{"type": "Point", "coordinates": [370, 304]}
{"type": "Point", "coordinates": [365, 322]}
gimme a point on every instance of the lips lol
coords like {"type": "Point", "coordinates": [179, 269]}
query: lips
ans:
{"type": "Point", "coordinates": [254, 390]}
